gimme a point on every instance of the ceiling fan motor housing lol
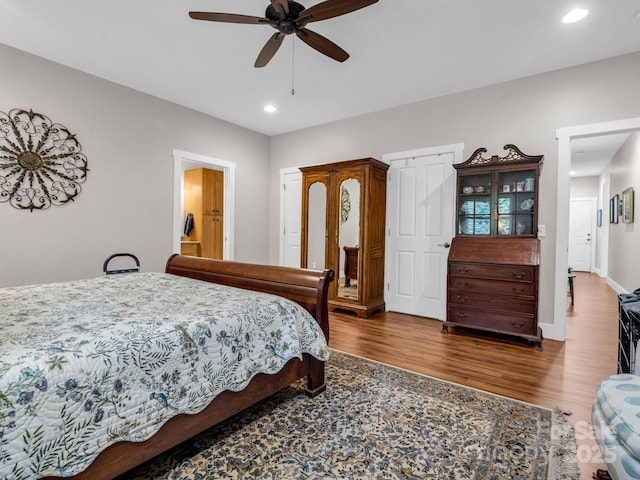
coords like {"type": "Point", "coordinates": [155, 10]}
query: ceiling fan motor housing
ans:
{"type": "Point", "coordinates": [286, 25]}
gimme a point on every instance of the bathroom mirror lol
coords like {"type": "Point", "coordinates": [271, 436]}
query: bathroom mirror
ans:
{"type": "Point", "coordinates": [349, 238]}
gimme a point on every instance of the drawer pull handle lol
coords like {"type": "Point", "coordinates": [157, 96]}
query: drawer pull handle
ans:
{"type": "Point", "coordinates": [517, 325]}
{"type": "Point", "coordinates": [518, 290]}
{"type": "Point", "coordinates": [463, 270]}
{"type": "Point", "coordinates": [519, 276]}
{"type": "Point", "coordinates": [463, 315]}
{"type": "Point", "coordinates": [462, 298]}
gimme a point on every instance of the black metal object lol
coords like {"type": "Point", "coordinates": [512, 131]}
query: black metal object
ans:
{"type": "Point", "coordinates": [105, 266]}
{"type": "Point", "coordinates": [41, 163]}
{"type": "Point", "coordinates": [628, 330]}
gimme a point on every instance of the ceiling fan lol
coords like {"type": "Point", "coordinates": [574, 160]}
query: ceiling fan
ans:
{"type": "Point", "coordinates": [290, 17]}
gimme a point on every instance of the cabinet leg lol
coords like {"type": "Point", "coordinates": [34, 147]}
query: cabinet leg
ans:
{"type": "Point", "coordinates": [445, 328]}
{"type": "Point", "coordinates": [538, 343]}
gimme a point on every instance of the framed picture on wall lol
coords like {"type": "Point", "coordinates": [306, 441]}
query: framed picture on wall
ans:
{"type": "Point", "coordinates": [627, 205]}
{"type": "Point", "coordinates": [613, 209]}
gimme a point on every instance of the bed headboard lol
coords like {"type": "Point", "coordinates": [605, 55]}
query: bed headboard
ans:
{"type": "Point", "coordinates": [307, 287]}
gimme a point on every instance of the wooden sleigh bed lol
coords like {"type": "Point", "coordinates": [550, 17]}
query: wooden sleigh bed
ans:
{"type": "Point", "coordinates": [305, 287]}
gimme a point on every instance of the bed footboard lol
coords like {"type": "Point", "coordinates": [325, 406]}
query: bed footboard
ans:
{"type": "Point", "coordinates": [309, 288]}
{"type": "Point", "coordinates": [306, 287]}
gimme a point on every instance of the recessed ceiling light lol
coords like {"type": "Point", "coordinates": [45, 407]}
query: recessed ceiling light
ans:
{"type": "Point", "coordinates": [572, 172]}
{"type": "Point", "coordinates": [270, 108]}
{"type": "Point", "coordinates": [575, 15]}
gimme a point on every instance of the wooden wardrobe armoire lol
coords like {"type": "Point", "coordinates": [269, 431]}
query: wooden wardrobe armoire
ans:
{"type": "Point", "coordinates": [343, 229]}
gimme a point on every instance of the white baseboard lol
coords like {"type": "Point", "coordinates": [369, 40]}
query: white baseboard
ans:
{"type": "Point", "coordinates": [549, 331]}
{"type": "Point", "coordinates": [615, 286]}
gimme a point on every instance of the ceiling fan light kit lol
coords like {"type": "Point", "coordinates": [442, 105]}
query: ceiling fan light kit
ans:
{"type": "Point", "coordinates": [289, 17]}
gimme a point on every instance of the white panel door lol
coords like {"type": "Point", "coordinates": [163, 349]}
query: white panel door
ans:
{"type": "Point", "coordinates": [291, 218]}
{"type": "Point", "coordinates": [581, 215]}
{"type": "Point", "coordinates": [420, 228]}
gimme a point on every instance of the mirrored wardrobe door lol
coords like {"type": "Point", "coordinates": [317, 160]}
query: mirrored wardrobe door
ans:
{"type": "Point", "coordinates": [349, 238]}
{"type": "Point", "coordinates": [317, 226]}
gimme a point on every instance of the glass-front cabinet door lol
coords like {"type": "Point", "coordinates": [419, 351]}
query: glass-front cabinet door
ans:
{"type": "Point", "coordinates": [497, 197]}
{"type": "Point", "coordinates": [474, 205]}
{"type": "Point", "coordinates": [516, 199]}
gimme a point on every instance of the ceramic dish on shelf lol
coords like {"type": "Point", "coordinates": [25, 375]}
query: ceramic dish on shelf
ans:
{"type": "Point", "coordinates": [527, 204]}
{"type": "Point", "coordinates": [467, 189]}
{"type": "Point", "coordinates": [481, 189]}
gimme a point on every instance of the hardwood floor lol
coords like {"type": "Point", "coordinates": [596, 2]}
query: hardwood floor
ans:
{"type": "Point", "coordinates": [564, 373]}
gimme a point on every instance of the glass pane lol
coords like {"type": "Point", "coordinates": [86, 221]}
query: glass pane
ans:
{"type": "Point", "coordinates": [317, 218]}
{"type": "Point", "coordinates": [483, 207]}
{"type": "Point", "coordinates": [523, 225]}
{"type": "Point", "coordinates": [525, 202]}
{"type": "Point", "coordinates": [528, 180]}
{"type": "Point", "coordinates": [470, 184]}
{"type": "Point", "coordinates": [467, 207]}
{"type": "Point", "coordinates": [506, 182]}
{"type": "Point", "coordinates": [523, 181]}
{"type": "Point", "coordinates": [349, 239]}
{"type": "Point", "coordinates": [504, 226]}
{"type": "Point", "coordinates": [482, 226]}
{"type": "Point", "coordinates": [504, 205]}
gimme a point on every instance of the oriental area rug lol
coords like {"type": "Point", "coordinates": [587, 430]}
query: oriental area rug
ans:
{"type": "Point", "coordinates": [375, 421]}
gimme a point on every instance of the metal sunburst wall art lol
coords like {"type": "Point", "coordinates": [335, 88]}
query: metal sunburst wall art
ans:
{"type": "Point", "coordinates": [41, 163]}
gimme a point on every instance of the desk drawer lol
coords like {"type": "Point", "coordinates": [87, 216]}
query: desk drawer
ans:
{"type": "Point", "coordinates": [519, 273]}
{"type": "Point", "coordinates": [494, 321]}
{"type": "Point", "coordinates": [492, 286]}
{"type": "Point", "coordinates": [503, 303]}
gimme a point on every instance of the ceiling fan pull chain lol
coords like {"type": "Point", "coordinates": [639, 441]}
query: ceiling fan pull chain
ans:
{"type": "Point", "coordinates": [293, 62]}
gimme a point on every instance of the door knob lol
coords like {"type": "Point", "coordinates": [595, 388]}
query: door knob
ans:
{"type": "Point", "coordinates": [445, 244]}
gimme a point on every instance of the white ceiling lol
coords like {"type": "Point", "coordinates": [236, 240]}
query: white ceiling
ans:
{"type": "Point", "coordinates": [590, 155]}
{"type": "Point", "coordinates": [402, 51]}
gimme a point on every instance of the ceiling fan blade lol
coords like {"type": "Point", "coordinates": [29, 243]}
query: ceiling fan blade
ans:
{"type": "Point", "coordinates": [332, 8]}
{"type": "Point", "coordinates": [269, 50]}
{"type": "Point", "coordinates": [281, 6]}
{"type": "Point", "coordinates": [322, 44]}
{"type": "Point", "coordinates": [227, 17]}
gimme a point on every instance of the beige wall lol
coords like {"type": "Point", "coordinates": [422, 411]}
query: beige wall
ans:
{"type": "Point", "coordinates": [524, 112]}
{"type": "Point", "coordinates": [127, 201]}
{"type": "Point", "coordinates": [128, 137]}
{"type": "Point", "coordinates": [584, 187]}
{"type": "Point", "coordinates": [624, 238]}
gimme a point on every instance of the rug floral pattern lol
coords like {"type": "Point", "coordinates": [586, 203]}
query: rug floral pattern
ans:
{"type": "Point", "coordinates": [376, 421]}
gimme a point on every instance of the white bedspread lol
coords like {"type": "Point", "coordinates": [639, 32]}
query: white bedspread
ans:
{"type": "Point", "coordinates": [87, 363]}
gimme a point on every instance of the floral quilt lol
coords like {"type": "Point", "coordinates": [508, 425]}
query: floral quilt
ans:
{"type": "Point", "coordinates": [87, 363]}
